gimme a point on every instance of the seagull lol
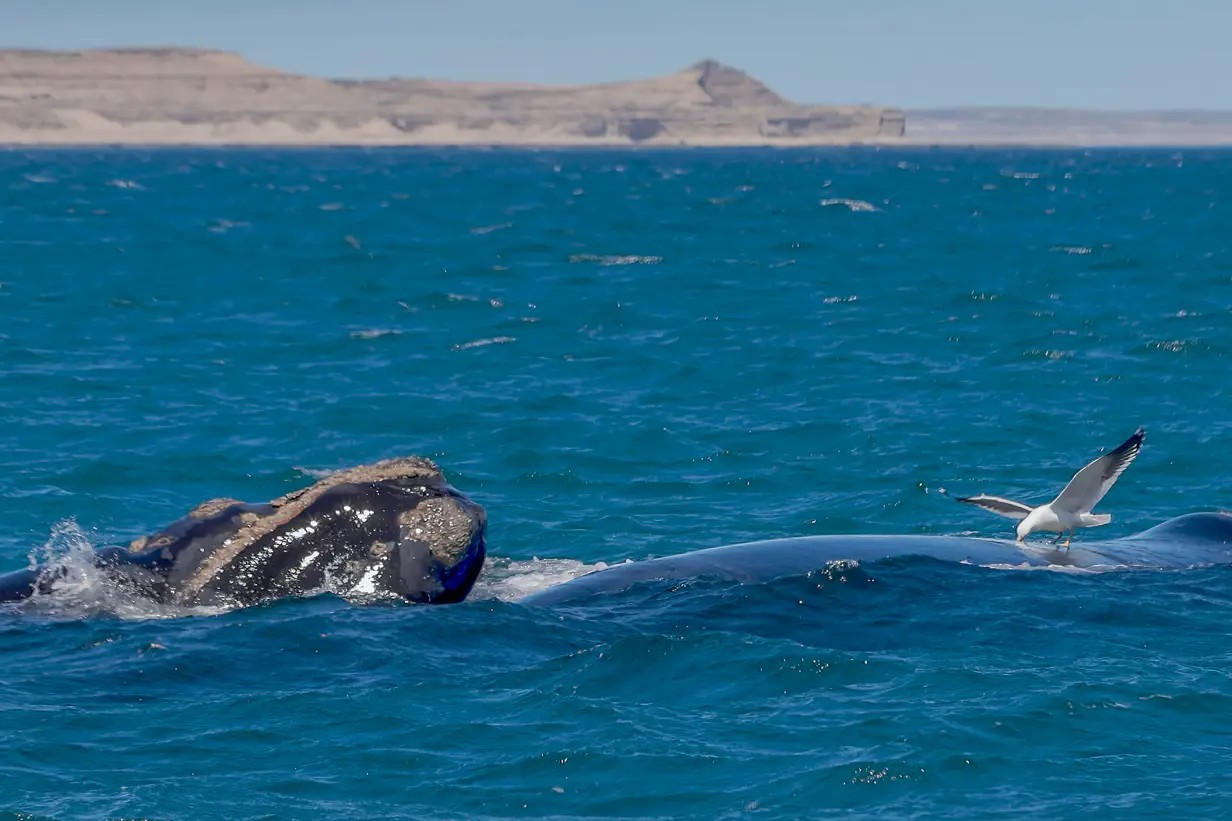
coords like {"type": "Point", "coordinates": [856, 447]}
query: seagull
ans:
{"type": "Point", "coordinates": [1072, 508]}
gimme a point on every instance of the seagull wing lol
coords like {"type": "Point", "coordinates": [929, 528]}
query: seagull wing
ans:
{"type": "Point", "coordinates": [1091, 483]}
{"type": "Point", "coordinates": [998, 505]}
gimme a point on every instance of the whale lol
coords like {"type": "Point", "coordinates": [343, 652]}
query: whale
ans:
{"type": "Point", "coordinates": [392, 529]}
{"type": "Point", "coordinates": [1190, 540]}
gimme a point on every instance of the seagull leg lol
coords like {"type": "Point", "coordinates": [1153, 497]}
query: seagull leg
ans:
{"type": "Point", "coordinates": [1057, 540]}
{"type": "Point", "coordinates": [1070, 539]}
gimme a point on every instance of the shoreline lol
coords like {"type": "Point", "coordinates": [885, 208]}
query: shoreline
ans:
{"type": "Point", "coordinates": [990, 145]}
{"type": "Point", "coordinates": [199, 96]}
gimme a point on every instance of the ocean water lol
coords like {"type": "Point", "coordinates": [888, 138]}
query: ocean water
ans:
{"type": "Point", "coordinates": [620, 355]}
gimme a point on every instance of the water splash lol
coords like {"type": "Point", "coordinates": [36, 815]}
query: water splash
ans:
{"type": "Point", "coordinates": [80, 589]}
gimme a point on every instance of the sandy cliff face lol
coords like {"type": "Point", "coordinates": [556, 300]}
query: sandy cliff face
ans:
{"type": "Point", "coordinates": [168, 96]}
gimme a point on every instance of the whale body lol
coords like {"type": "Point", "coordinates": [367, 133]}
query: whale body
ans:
{"type": "Point", "coordinates": [1185, 541]}
{"type": "Point", "coordinates": [394, 528]}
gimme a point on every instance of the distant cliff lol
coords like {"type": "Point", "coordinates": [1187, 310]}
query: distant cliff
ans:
{"type": "Point", "coordinates": [197, 96]}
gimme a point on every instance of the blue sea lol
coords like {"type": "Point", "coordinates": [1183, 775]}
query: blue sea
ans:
{"type": "Point", "coordinates": [620, 355]}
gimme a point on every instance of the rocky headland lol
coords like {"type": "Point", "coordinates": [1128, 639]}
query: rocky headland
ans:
{"type": "Point", "coordinates": [168, 96]}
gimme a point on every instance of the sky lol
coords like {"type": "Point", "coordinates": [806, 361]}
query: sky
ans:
{"type": "Point", "coordinates": [1109, 54]}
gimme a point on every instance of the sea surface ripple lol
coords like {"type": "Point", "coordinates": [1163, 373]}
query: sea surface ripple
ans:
{"type": "Point", "coordinates": [620, 355]}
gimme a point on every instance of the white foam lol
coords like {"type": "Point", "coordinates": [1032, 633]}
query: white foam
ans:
{"type": "Point", "coordinates": [487, 229]}
{"type": "Point", "coordinates": [480, 343]}
{"type": "Point", "coordinates": [616, 259]}
{"type": "Point", "coordinates": [513, 580]}
{"type": "Point", "coordinates": [316, 473]}
{"type": "Point", "coordinates": [375, 333]}
{"type": "Point", "coordinates": [852, 205]}
{"type": "Point", "coordinates": [81, 589]}
{"type": "Point", "coordinates": [222, 226]}
{"type": "Point", "coordinates": [1049, 568]}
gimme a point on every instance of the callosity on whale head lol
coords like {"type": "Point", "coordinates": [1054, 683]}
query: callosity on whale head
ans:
{"type": "Point", "coordinates": [392, 529]}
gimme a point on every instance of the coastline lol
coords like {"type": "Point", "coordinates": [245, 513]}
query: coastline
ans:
{"type": "Point", "coordinates": [477, 146]}
{"type": "Point", "coordinates": [187, 96]}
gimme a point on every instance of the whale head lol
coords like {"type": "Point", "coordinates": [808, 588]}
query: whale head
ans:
{"type": "Point", "coordinates": [436, 553]}
{"type": "Point", "coordinates": [392, 529]}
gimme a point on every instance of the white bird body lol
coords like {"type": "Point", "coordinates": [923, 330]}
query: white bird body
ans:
{"type": "Point", "coordinates": [1072, 507]}
{"type": "Point", "coordinates": [1048, 519]}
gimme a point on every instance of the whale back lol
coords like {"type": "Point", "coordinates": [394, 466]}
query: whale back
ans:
{"type": "Point", "coordinates": [1184, 541]}
{"type": "Point", "coordinates": [1213, 526]}
{"type": "Point", "coordinates": [1194, 539]}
